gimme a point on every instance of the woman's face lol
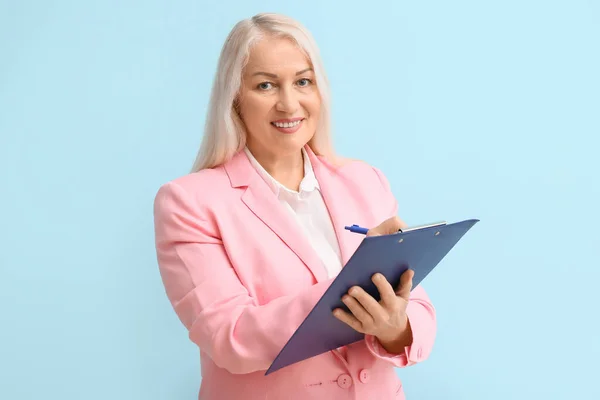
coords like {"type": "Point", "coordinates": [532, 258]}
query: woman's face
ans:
{"type": "Point", "coordinates": [279, 102]}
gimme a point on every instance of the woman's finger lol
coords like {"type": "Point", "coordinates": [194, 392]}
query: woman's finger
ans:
{"type": "Point", "coordinates": [387, 227]}
{"type": "Point", "coordinates": [386, 291]}
{"type": "Point", "coordinates": [361, 314]}
{"type": "Point", "coordinates": [405, 284]}
{"type": "Point", "coordinates": [372, 306]}
{"type": "Point", "coordinates": [348, 319]}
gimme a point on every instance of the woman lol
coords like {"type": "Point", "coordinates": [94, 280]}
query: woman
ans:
{"type": "Point", "coordinates": [249, 241]}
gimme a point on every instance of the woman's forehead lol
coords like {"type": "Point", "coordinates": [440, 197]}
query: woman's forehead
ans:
{"type": "Point", "coordinates": [273, 54]}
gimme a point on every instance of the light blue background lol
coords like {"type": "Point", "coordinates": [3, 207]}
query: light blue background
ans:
{"type": "Point", "coordinates": [473, 109]}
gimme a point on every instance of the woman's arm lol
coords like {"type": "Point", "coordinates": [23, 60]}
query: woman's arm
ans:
{"type": "Point", "coordinates": [220, 315]}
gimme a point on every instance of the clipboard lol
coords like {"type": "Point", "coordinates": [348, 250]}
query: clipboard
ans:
{"type": "Point", "coordinates": [418, 248]}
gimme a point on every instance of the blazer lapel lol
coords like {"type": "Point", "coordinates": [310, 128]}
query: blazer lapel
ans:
{"type": "Point", "coordinates": [260, 199]}
{"type": "Point", "coordinates": [336, 196]}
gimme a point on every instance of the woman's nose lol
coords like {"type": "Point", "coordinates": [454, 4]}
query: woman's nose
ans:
{"type": "Point", "coordinates": [287, 101]}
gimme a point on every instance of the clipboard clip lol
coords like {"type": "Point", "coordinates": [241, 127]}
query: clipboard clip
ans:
{"type": "Point", "coordinates": [425, 226]}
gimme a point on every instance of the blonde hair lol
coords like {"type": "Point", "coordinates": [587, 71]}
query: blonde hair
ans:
{"type": "Point", "coordinates": [224, 133]}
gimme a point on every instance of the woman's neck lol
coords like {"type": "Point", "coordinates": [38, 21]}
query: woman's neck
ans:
{"type": "Point", "coordinates": [287, 169]}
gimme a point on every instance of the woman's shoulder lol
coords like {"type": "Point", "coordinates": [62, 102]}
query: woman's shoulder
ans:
{"type": "Point", "coordinates": [201, 180]}
{"type": "Point", "coordinates": [357, 170]}
{"type": "Point", "coordinates": [201, 188]}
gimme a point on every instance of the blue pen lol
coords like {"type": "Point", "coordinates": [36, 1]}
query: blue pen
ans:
{"type": "Point", "coordinates": [357, 229]}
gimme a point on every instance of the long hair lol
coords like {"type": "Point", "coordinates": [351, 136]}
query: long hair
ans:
{"type": "Point", "coordinates": [224, 132]}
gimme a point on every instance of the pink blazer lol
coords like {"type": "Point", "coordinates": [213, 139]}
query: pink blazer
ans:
{"type": "Point", "coordinates": [241, 278]}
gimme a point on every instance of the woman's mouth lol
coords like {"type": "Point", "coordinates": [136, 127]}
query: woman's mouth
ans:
{"type": "Point", "coordinates": [288, 126]}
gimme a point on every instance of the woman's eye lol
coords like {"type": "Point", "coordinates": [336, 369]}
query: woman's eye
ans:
{"type": "Point", "coordinates": [264, 85]}
{"type": "Point", "coordinates": [304, 82]}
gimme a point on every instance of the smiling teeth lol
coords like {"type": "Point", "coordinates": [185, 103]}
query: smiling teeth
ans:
{"type": "Point", "coordinates": [287, 124]}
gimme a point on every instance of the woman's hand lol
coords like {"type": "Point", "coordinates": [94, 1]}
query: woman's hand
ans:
{"type": "Point", "coordinates": [385, 319]}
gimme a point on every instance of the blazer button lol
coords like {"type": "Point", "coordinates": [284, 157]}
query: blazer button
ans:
{"type": "Point", "coordinates": [344, 381]}
{"type": "Point", "coordinates": [364, 376]}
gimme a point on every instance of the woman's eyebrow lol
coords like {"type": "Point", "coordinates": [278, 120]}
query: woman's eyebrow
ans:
{"type": "Point", "coordinates": [274, 76]}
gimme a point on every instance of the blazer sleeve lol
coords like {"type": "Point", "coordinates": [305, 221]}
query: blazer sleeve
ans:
{"type": "Point", "coordinates": [222, 318]}
{"type": "Point", "coordinates": [420, 310]}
